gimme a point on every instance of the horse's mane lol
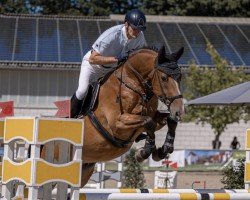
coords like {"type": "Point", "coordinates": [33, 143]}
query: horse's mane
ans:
{"type": "Point", "coordinates": [153, 48]}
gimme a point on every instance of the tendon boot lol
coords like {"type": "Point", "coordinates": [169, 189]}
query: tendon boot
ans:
{"type": "Point", "coordinates": [145, 151]}
{"type": "Point", "coordinates": [75, 106]}
{"type": "Point", "coordinates": [148, 147]}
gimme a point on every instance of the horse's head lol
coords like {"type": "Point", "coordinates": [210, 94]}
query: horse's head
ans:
{"type": "Point", "coordinates": [165, 81]}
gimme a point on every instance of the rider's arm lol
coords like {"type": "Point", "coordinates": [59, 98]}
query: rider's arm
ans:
{"type": "Point", "coordinates": [98, 59]}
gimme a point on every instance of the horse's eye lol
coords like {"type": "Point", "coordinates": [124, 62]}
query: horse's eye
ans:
{"type": "Point", "coordinates": [164, 78]}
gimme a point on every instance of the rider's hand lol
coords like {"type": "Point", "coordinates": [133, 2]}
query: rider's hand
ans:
{"type": "Point", "coordinates": [121, 59]}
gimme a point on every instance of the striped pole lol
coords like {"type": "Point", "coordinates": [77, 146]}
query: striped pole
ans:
{"type": "Point", "coordinates": [181, 196]}
{"type": "Point", "coordinates": [173, 194]}
{"type": "Point", "coordinates": [141, 191]}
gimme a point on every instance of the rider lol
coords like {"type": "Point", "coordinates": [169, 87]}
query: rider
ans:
{"type": "Point", "coordinates": [108, 51]}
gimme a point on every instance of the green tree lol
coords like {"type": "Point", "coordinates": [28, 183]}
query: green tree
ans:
{"type": "Point", "coordinates": [52, 7]}
{"type": "Point", "coordinates": [133, 176]}
{"type": "Point", "coordinates": [10, 6]}
{"type": "Point", "coordinates": [233, 176]}
{"type": "Point", "coordinates": [223, 8]}
{"type": "Point", "coordinates": [201, 81]}
{"type": "Point", "coordinates": [93, 7]}
{"type": "Point", "coordinates": [122, 6]}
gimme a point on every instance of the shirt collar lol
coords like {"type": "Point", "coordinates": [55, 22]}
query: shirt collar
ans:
{"type": "Point", "coordinates": [124, 33]}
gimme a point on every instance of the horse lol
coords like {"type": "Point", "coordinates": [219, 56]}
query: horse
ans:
{"type": "Point", "coordinates": [126, 106]}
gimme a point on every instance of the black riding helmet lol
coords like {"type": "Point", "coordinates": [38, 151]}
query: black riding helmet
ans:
{"type": "Point", "coordinates": [136, 19]}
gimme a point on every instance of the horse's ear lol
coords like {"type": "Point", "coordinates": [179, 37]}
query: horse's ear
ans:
{"type": "Point", "coordinates": [161, 55]}
{"type": "Point", "coordinates": [178, 53]}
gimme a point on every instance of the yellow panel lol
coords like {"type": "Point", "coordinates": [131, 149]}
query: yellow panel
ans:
{"type": "Point", "coordinates": [188, 196]}
{"type": "Point", "coordinates": [248, 139]}
{"type": "Point", "coordinates": [19, 127]}
{"type": "Point", "coordinates": [128, 191]}
{"type": "Point", "coordinates": [82, 197]}
{"type": "Point", "coordinates": [160, 191]}
{"type": "Point", "coordinates": [247, 172]}
{"type": "Point", "coordinates": [46, 172]}
{"type": "Point", "coordinates": [70, 130]}
{"type": "Point", "coordinates": [221, 196]}
{"type": "Point", "coordinates": [19, 171]}
{"type": "Point", "coordinates": [26, 192]}
{"type": "Point", "coordinates": [1, 128]}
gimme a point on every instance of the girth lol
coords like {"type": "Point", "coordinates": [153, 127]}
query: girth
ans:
{"type": "Point", "coordinates": [114, 141]}
{"type": "Point", "coordinates": [94, 120]}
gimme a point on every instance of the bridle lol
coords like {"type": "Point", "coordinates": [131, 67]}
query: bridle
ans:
{"type": "Point", "coordinates": [146, 84]}
{"type": "Point", "coordinates": [169, 69]}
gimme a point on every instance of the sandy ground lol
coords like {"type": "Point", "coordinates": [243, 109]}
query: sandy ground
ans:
{"type": "Point", "coordinates": [184, 180]}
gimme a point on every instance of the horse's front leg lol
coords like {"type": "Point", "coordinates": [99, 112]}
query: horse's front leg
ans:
{"type": "Point", "coordinates": [87, 171]}
{"type": "Point", "coordinates": [168, 145]}
{"type": "Point", "coordinates": [134, 123]}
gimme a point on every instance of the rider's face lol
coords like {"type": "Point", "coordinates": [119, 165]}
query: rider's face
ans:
{"type": "Point", "coordinates": [131, 32]}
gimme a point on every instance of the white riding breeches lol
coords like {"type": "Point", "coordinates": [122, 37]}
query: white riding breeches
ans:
{"type": "Point", "coordinates": [88, 74]}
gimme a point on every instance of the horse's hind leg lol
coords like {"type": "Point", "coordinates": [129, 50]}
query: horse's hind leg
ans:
{"type": "Point", "coordinates": [87, 171]}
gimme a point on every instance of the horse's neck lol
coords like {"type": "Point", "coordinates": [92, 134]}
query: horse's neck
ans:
{"type": "Point", "coordinates": [140, 63]}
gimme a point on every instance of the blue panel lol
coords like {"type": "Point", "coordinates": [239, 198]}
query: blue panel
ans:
{"type": "Point", "coordinates": [25, 49]}
{"type": "Point", "coordinates": [197, 42]}
{"type": "Point", "coordinates": [7, 37]}
{"type": "Point", "coordinates": [104, 25]}
{"type": "Point", "coordinates": [69, 41]}
{"type": "Point", "coordinates": [153, 36]}
{"type": "Point", "coordinates": [238, 40]}
{"type": "Point", "coordinates": [176, 41]}
{"type": "Point", "coordinates": [89, 34]}
{"type": "Point", "coordinates": [47, 40]}
{"type": "Point", "coordinates": [219, 42]}
{"type": "Point", "coordinates": [246, 30]}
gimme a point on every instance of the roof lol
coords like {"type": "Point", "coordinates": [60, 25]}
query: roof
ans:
{"type": "Point", "coordinates": [41, 41]}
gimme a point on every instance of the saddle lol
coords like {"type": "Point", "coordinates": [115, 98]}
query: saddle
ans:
{"type": "Point", "coordinates": [90, 101]}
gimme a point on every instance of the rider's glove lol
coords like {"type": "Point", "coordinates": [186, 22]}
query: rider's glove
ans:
{"type": "Point", "coordinates": [121, 59]}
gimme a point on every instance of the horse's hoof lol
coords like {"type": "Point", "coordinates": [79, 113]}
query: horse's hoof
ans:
{"type": "Point", "coordinates": [138, 157]}
{"type": "Point", "coordinates": [156, 157]}
{"type": "Point", "coordinates": [159, 154]}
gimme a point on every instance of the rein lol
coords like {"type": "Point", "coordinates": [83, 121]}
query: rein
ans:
{"type": "Point", "coordinates": [147, 93]}
{"type": "Point", "coordinates": [147, 88]}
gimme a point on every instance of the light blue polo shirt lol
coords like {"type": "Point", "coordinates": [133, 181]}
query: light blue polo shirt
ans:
{"type": "Point", "coordinates": [114, 42]}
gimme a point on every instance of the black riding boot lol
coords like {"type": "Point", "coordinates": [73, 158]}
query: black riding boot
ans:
{"type": "Point", "coordinates": [75, 106]}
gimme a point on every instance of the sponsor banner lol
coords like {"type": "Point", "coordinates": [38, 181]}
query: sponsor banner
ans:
{"type": "Point", "coordinates": [175, 160]}
{"type": "Point", "coordinates": [165, 179]}
{"type": "Point", "coordinates": [198, 159]}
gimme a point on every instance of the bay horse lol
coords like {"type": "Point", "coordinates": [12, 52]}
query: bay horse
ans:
{"type": "Point", "coordinates": [127, 104]}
